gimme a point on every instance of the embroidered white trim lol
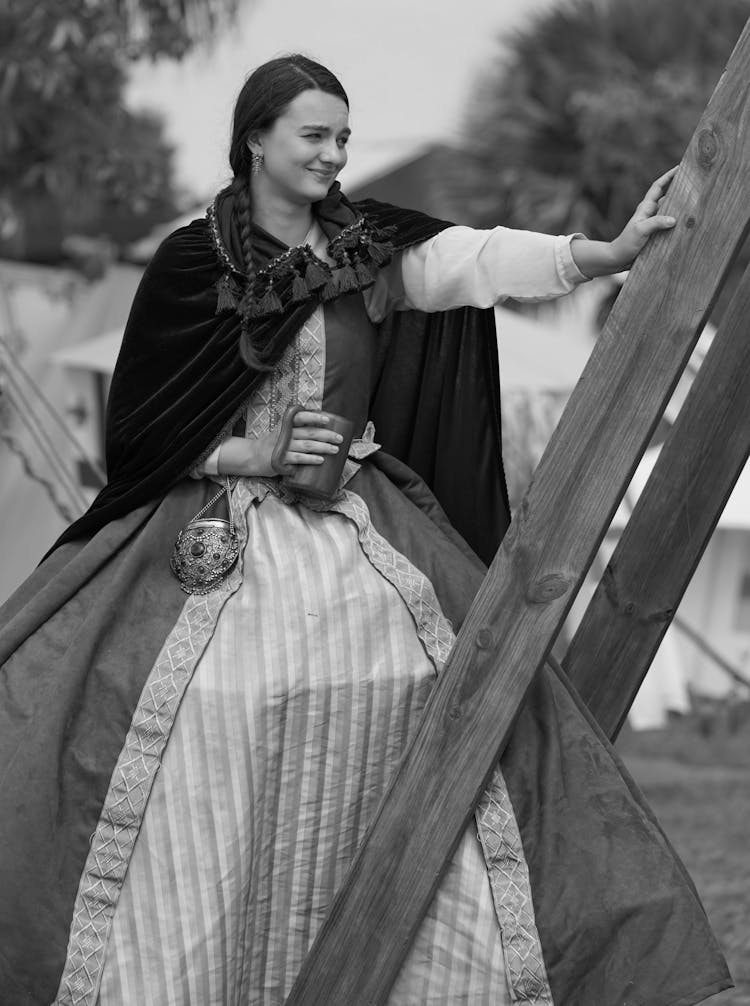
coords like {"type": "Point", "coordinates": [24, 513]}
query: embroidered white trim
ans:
{"type": "Point", "coordinates": [296, 379]}
{"type": "Point", "coordinates": [433, 628]}
{"type": "Point", "coordinates": [496, 822]}
{"type": "Point", "coordinates": [125, 804]}
{"type": "Point", "coordinates": [511, 893]}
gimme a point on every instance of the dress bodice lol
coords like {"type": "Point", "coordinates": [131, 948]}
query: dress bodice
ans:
{"type": "Point", "coordinates": [330, 364]}
{"type": "Point", "coordinates": [351, 347]}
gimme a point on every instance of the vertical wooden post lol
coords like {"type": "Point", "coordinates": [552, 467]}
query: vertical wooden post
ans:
{"type": "Point", "coordinates": [669, 528]}
{"type": "Point", "coordinates": [528, 591]}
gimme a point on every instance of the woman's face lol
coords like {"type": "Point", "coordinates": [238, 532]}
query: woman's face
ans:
{"type": "Point", "coordinates": [304, 149]}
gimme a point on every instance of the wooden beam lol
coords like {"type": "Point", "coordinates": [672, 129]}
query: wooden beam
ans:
{"type": "Point", "coordinates": [528, 591]}
{"type": "Point", "coordinates": [670, 526]}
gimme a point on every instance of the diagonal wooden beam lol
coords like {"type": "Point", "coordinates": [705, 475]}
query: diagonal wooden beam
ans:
{"type": "Point", "coordinates": [530, 586]}
{"type": "Point", "coordinates": [670, 526]}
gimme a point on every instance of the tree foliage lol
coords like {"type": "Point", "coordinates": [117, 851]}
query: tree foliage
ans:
{"type": "Point", "coordinates": [72, 156]}
{"type": "Point", "coordinates": [589, 105]}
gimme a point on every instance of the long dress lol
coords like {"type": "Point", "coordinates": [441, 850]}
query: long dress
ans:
{"type": "Point", "coordinates": [294, 717]}
{"type": "Point", "coordinates": [281, 702]}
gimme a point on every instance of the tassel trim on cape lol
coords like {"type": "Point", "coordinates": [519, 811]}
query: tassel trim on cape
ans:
{"type": "Point", "coordinates": [298, 275]}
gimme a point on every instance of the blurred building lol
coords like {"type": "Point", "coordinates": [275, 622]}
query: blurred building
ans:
{"type": "Point", "coordinates": [51, 415]}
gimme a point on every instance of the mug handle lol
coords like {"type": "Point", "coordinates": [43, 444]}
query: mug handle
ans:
{"type": "Point", "coordinates": [283, 440]}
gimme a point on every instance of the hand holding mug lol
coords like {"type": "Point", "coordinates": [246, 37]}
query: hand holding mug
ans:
{"type": "Point", "coordinates": [311, 451]}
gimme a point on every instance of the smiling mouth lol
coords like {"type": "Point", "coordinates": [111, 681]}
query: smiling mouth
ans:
{"type": "Point", "coordinates": [324, 176]}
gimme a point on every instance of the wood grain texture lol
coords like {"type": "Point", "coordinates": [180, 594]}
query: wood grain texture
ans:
{"type": "Point", "coordinates": [532, 581]}
{"type": "Point", "coordinates": [669, 528]}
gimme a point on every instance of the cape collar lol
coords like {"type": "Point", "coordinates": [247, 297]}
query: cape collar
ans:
{"type": "Point", "coordinates": [286, 277]}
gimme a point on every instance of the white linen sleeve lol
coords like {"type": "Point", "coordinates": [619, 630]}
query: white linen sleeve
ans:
{"type": "Point", "coordinates": [209, 465]}
{"type": "Point", "coordinates": [464, 267]}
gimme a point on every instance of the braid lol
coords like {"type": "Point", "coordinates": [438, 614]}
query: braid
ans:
{"type": "Point", "coordinates": [243, 213]}
{"type": "Point", "coordinates": [245, 219]}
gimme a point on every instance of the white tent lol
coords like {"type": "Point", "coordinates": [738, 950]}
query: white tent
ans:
{"type": "Point", "coordinates": [53, 311]}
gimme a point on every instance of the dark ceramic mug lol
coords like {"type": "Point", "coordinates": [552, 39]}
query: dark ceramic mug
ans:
{"type": "Point", "coordinates": [321, 481]}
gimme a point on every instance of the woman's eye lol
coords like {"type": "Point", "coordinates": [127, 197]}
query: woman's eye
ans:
{"type": "Point", "coordinates": [343, 140]}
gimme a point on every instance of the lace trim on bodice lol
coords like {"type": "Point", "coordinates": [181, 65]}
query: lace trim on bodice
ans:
{"type": "Point", "coordinates": [297, 379]}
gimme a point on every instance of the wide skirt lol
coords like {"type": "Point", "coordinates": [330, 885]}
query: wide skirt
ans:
{"type": "Point", "coordinates": [187, 779]}
{"type": "Point", "coordinates": [310, 687]}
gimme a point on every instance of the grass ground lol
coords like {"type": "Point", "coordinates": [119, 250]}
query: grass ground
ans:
{"type": "Point", "coordinates": [696, 777]}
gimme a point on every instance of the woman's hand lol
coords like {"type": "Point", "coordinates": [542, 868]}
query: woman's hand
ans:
{"type": "Point", "coordinates": [310, 440]}
{"type": "Point", "coordinates": [602, 258]}
{"type": "Point", "coordinates": [309, 443]}
{"type": "Point", "coordinates": [645, 221]}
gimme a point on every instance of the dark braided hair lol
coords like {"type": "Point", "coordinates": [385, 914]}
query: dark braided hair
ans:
{"type": "Point", "coordinates": [265, 95]}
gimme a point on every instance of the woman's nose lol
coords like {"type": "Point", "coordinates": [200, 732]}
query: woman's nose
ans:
{"type": "Point", "coordinates": [332, 153]}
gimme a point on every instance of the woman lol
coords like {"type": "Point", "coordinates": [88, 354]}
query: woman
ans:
{"type": "Point", "coordinates": [189, 776]}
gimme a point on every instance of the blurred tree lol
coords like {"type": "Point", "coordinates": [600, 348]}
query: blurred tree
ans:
{"type": "Point", "coordinates": [73, 158]}
{"type": "Point", "coordinates": [590, 103]}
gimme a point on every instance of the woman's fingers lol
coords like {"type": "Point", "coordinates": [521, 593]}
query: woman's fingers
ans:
{"type": "Point", "coordinates": [311, 418]}
{"type": "Point", "coordinates": [659, 187]}
{"type": "Point", "coordinates": [647, 211]}
{"type": "Point", "coordinates": [315, 433]}
{"type": "Point", "coordinates": [646, 220]}
{"type": "Point", "coordinates": [312, 426]}
{"type": "Point", "coordinates": [650, 225]}
{"type": "Point", "coordinates": [296, 458]}
{"type": "Point", "coordinates": [312, 446]}
{"type": "Point", "coordinates": [311, 441]}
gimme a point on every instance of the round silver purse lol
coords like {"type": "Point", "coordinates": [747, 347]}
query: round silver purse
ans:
{"type": "Point", "coordinates": [205, 550]}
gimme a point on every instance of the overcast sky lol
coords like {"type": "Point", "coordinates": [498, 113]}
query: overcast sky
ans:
{"type": "Point", "coordinates": [407, 66]}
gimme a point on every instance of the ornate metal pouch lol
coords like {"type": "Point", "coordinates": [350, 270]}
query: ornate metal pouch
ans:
{"type": "Point", "coordinates": [205, 550]}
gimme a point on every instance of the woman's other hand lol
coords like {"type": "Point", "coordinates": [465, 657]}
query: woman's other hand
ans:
{"type": "Point", "coordinates": [602, 258]}
{"type": "Point", "coordinates": [309, 443]}
{"type": "Point", "coordinates": [645, 221]}
{"type": "Point", "coordinates": [310, 440]}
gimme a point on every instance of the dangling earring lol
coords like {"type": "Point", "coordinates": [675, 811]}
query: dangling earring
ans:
{"type": "Point", "coordinates": [256, 163]}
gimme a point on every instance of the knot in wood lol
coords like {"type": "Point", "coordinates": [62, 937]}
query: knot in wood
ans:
{"type": "Point", "coordinates": [548, 588]}
{"type": "Point", "coordinates": [484, 639]}
{"type": "Point", "coordinates": [708, 147]}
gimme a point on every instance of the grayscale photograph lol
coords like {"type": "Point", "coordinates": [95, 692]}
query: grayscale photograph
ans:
{"type": "Point", "coordinates": [374, 503]}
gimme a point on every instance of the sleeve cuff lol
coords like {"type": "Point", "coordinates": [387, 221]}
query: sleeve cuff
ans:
{"type": "Point", "coordinates": [209, 466]}
{"type": "Point", "coordinates": [568, 271]}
